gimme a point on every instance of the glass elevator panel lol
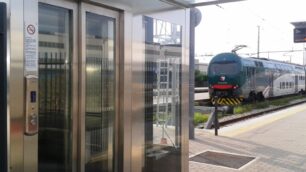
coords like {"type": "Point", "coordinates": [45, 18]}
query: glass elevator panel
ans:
{"type": "Point", "coordinates": [55, 120]}
{"type": "Point", "coordinates": [163, 59]}
{"type": "Point", "coordinates": [100, 92]}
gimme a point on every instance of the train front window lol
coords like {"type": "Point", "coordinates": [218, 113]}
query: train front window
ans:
{"type": "Point", "coordinates": [228, 68]}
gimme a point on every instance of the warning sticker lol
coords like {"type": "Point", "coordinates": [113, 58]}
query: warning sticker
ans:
{"type": "Point", "coordinates": [31, 48]}
{"type": "Point", "coordinates": [31, 29]}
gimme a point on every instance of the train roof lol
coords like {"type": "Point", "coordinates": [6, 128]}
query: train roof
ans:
{"type": "Point", "coordinates": [273, 60]}
{"type": "Point", "coordinates": [271, 63]}
{"type": "Point", "coordinates": [259, 62]}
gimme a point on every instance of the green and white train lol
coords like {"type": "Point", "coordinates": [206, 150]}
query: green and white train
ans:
{"type": "Point", "coordinates": [230, 75]}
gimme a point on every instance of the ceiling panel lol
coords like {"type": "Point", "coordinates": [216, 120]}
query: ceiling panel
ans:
{"type": "Point", "coordinates": [194, 3]}
{"type": "Point", "coordinates": [139, 6]}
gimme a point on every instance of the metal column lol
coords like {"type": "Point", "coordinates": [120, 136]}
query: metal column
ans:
{"type": "Point", "coordinates": [195, 18]}
{"type": "Point", "coordinates": [3, 89]}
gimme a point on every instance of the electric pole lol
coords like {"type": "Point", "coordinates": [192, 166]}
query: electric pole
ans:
{"type": "Point", "coordinates": [258, 40]}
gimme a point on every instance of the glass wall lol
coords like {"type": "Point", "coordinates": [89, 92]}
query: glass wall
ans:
{"type": "Point", "coordinates": [55, 121]}
{"type": "Point", "coordinates": [100, 93]}
{"type": "Point", "coordinates": [163, 58]}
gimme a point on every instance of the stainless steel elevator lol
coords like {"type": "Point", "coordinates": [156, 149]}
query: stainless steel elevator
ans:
{"type": "Point", "coordinates": [84, 93]}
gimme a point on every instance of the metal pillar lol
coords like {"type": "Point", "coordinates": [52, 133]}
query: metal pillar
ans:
{"type": "Point", "coordinates": [216, 121]}
{"type": "Point", "coordinates": [3, 88]}
{"type": "Point", "coordinates": [195, 18]}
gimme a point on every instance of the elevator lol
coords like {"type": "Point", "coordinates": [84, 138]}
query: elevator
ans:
{"type": "Point", "coordinates": [93, 86]}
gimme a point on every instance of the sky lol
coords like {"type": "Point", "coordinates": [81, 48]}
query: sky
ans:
{"type": "Point", "coordinates": [226, 25]}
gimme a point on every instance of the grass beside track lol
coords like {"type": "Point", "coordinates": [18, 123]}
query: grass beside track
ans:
{"type": "Point", "coordinates": [265, 104]}
{"type": "Point", "coordinates": [200, 118]}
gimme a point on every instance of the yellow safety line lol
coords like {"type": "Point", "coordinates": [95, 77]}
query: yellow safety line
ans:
{"type": "Point", "coordinates": [250, 127]}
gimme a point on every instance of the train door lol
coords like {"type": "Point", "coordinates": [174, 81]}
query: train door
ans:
{"type": "Point", "coordinates": [296, 83]}
{"type": "Point", "coordinates": [271, 83]}
{"type": "Point", "coordinates": [251, 77]}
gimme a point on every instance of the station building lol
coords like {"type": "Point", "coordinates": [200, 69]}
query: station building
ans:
{"type": "Point", "coordinates": [94, 85]}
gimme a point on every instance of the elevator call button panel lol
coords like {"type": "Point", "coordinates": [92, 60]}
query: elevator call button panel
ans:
{"type": "Point", "coordinates": [31, 117]}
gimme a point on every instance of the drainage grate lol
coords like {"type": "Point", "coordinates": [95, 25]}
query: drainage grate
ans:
{"type": "Point", "coordinates": [222, 159]}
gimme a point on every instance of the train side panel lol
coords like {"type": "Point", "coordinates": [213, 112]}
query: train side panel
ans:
{"type": "Point", "coordinates": [254, 78]}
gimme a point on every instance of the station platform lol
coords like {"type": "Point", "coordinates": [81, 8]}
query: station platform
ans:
{"type": "Point", "coordinates": [201, 96]}
{"type": "Point", "coordinates": [275, 142]}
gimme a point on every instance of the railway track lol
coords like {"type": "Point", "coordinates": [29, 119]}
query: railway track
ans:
{"type": "Point", "coordinates": [240, 117]}
{"type": "Point", "coordinates": [256, 114]}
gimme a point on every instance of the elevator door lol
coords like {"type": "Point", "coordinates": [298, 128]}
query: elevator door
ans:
{"type": "Point", "coordinates": [55, 89]}
{"type": "Point", "coordinates": [99, 46]}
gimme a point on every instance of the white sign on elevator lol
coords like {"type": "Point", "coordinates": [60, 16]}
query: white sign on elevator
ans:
{"type": "Point", "coordinates": [31, 37]}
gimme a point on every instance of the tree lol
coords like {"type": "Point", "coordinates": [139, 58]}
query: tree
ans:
{"type": "Point", "coordinates": [200, 79]}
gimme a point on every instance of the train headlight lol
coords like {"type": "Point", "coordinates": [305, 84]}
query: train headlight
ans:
{"type": "Point", "coordinates": [235, 87]}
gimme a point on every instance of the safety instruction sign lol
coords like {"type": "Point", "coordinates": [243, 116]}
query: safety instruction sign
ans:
{"type": "Point", "coordinates": [31, 37]}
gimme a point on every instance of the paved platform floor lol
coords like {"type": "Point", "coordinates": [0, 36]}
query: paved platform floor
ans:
{"type": "Point", "coordinates": [277, 140]}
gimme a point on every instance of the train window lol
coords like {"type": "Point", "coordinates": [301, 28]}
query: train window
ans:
{"type": "Point", "coordinates": [224, 68]}
{"type": "Point", "coordinates": [258, 64]}
{"type": "Point", "coordinates": [248, 63]}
